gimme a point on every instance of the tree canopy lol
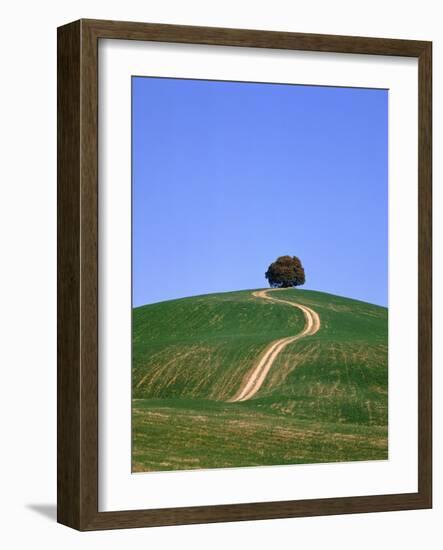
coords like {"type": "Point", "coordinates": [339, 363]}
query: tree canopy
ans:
{"type": "Point", "coordinates": [285, 272]}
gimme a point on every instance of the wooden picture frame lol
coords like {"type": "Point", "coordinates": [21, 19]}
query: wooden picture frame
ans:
{"type": "Point", "coordinates": [78, 274]}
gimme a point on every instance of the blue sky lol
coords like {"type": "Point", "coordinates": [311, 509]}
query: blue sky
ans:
{"type": "Point", "coordinates": [229, 175]}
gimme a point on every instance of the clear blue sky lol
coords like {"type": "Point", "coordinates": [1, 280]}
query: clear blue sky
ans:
{"type": "Point", "coordinates": [228, 175]}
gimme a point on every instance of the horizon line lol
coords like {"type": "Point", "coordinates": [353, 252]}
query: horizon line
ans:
{"type": "Point", "coordinates": [253, 290]}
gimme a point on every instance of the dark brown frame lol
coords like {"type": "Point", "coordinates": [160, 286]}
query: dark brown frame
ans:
{"type": "Point", "coordinates": [77, 454]}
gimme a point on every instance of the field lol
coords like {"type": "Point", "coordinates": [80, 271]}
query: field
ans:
{"type": "Point", "coordinates": [323, 400]}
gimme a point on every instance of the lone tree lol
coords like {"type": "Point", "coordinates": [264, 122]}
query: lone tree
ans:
{"type": "Point", "coordinates": [285, 272]}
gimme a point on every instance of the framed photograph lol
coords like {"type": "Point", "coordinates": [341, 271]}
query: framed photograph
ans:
{"type": "Point", "coordinates": [244, 274]}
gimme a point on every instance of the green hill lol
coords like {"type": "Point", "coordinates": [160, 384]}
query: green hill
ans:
{"type": "Point", "coordinates": [323, 400]}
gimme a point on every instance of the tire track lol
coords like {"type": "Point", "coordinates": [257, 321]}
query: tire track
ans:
{"type": "Point", "coordinates": [258, 374]}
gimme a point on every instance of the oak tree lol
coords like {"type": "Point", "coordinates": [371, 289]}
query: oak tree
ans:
{"type": "Point", "coordinates": [285, 272]}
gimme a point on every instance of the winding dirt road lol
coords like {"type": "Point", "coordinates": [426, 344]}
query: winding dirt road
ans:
{"type": "Point", "coordinates": [258, 374]}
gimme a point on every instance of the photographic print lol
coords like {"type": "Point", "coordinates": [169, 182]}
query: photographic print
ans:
{"type": "Point", "coordinates": [259, 274]}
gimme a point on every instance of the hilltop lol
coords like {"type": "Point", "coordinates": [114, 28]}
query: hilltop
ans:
{"type": "Point", "coordinates": [324, 397]}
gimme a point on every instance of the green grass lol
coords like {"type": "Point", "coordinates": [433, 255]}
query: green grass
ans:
{"type": "Point", "coordinates": [324, 400]}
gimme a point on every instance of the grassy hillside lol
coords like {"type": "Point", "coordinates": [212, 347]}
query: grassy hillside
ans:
{"type": "Point", "coordinates": [325, 398]}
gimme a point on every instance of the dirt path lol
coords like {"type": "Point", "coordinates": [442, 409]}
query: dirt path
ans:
{"type": "Point", "coordinates": [258, 374]}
